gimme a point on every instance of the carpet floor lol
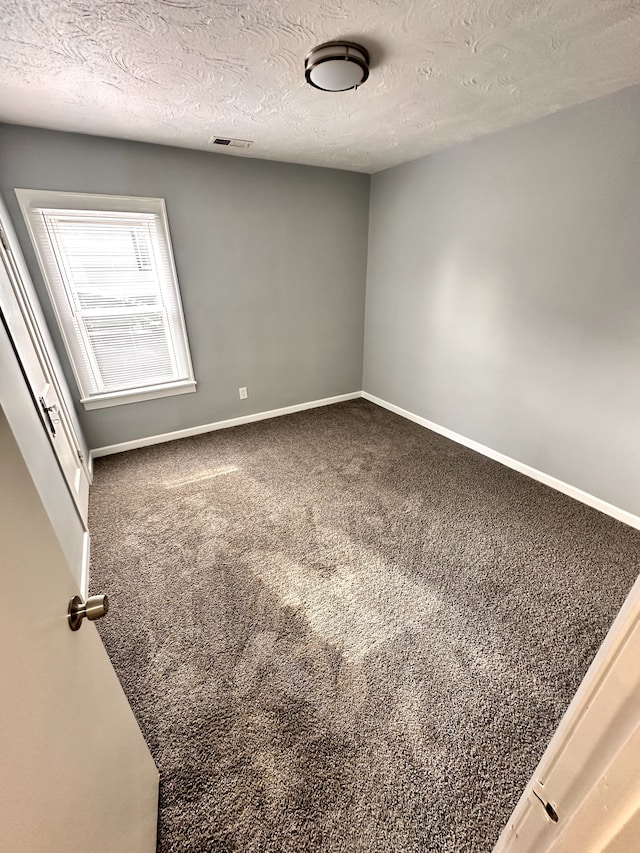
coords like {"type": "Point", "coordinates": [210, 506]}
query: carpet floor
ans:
{"type": "Point", "coordinates": [341, 632]}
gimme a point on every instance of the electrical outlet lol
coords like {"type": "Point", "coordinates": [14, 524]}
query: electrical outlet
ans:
{"type": "Point", "coordinates": [243, 393]}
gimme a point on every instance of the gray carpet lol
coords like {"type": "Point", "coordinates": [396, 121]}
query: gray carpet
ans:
{"type": "Point", "coordinates": [341, 632]}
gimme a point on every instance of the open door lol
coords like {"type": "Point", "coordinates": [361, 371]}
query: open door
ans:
{"type": "Point", "coordinates": [76, 771]}
{"type": "Point", "coordinates": [585, 794]}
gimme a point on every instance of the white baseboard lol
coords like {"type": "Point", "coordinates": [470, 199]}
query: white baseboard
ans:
{"type": "Point", "coordinates": [521, 467]}
{"type": "Point", "coordinates": [198, 430]}
{"type": "Point", "coordinates": [540, 476]}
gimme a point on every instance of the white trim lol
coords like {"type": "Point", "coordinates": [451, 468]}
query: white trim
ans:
{"type": "Point", "coordinates": [84, 577]}
{"type": "Point", "coordinates": [119, 398]}
{"type": "Point", "coordinates": [86, 201]}
{"type": "Point", "coordinates": [198, 430]}
{"type": "Point", "coordinates": [521, 467]}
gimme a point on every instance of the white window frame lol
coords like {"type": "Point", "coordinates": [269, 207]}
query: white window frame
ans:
{"type": "Point", "coordinates": [30, 202]}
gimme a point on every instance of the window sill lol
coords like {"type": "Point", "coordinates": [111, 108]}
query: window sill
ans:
{"type": "Point", "coordinates": [120, 398]}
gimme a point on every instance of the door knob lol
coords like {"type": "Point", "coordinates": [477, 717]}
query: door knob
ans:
{"type": "Point", "coordinates": [93, 608]}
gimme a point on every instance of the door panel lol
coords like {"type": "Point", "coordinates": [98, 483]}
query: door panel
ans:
{"type": "Point", "coordinates": [589, 773]}
{"type": "Point", "coordinates": [22, 327]}
{"type": "Point", "coordinates": [27, 426]}
{"type": "Point", "coordinates": [35, 447]}
{"type": "Point", "coordinates": [76, 769]}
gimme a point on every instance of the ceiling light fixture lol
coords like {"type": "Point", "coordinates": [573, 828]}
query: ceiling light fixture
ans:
{"type": "Point", "coordinates": [337, 66]}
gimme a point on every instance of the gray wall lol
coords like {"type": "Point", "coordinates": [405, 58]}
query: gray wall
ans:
{"type": "Point", "coordinates": [503, 293]}
{"type": "Point", "coordinates": [271, 260]}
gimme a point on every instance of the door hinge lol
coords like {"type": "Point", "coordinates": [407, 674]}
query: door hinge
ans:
{"type": "Point", "coordinates": [48, 411]}
{"type": "Point", "coordinates": [81, 456]}
{"type": "Point", "coordinates": [3, 240]}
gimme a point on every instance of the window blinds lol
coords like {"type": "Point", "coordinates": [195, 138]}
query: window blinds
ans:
{"type": "Point", "coordinates": [112, 281]}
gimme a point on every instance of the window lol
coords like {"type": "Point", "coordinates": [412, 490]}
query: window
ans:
{"type": "Point", "coordinates": [108, 266]}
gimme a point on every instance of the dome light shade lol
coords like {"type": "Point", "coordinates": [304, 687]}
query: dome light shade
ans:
{"type": "Point", "coordinates": [337, 66]}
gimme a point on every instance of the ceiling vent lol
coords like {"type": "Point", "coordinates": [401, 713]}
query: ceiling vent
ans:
{"type": "Point", "coordinates": [229, 142]}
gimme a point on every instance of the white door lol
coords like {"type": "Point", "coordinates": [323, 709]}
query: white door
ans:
{"type": "Point", "coordinates": [76, 772]}
{"type": "Point", "coordinates": [16, 302]}
{"type": "Point", "coordinates": [585, 793]}
{"type": "Point", "coordinates": [27, 421]}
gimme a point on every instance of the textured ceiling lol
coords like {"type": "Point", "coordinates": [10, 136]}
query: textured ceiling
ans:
{"type": "Point", "coordinates": [180, 71]}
